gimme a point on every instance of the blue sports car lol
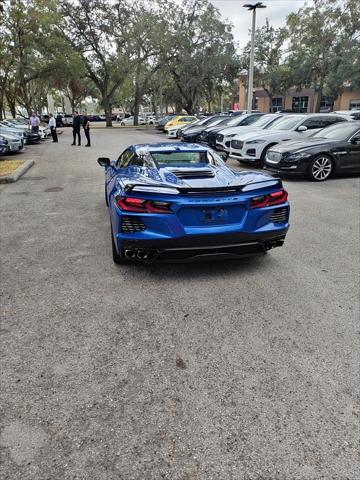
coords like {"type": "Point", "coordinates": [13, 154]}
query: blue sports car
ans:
{"type": "Point", "coordinates": [178, 202]}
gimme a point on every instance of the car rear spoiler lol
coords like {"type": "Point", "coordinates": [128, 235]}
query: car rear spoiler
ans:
{"type": "Point", "coordinates": [167, 190]}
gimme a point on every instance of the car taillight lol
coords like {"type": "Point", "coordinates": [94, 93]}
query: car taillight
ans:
{"type": "Point", "coordinates": [158, 207]}
{"type": "Point", "coordinates": [270, 199]}
{"type": "Point", "coordinates": [130, 204]}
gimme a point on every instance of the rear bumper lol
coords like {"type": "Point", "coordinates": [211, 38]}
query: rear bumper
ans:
{"type": "Point", "coordinates": [203, 247]}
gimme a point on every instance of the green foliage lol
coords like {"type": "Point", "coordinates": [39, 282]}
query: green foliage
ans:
{"type": "Point", "coordinates": [199, 51]}
{"type": "Point", "coordinates": [127, 53]}
{"type": "Point", "coordinates": [324, 46]}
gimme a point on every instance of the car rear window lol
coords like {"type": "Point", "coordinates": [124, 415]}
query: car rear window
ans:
{"type": "Point", "coordinates": [168, 158]}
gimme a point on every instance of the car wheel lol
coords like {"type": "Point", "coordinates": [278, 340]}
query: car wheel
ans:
{"type": "Point", "coordinates": [261, 162]}
{"type": "Point", "coordinates": [118, 259]}
{"type": "Point", "coordinates": [122, 124]}
{"type": "Point", "coordinates": [320, 168]}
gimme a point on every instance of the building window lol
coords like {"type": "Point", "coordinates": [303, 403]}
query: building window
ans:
{"type": "Point", "coordinates": [300, 104]}
{"type": "Point", "coordinates": [277, 104]}
{"type": "Point", "coordinates": [354, 105]}
{"type": "Point", "coordinates": [325, 104]}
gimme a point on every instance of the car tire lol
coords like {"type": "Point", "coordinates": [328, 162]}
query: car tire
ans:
{"type": "Point", "coordinates": [261, 162]}
{"type": "Point", "coordinates": [321, 168]}
{"type": "Point", "coordinates": [118, 259]}
{"type": "Point", "coordinates": [122, 124]}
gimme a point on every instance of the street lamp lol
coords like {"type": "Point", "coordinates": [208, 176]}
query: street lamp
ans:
{"type": "Point", "coordinates": [252, 7]}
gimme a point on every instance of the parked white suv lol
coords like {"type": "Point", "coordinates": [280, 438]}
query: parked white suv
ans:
{"type": "Point", "coordinates": [224, 137]}
{"type": "Point", "coordinates": [252, 147]}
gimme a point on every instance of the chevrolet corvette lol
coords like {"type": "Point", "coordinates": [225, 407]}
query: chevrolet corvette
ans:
{"type": "Point", "coordinates": [180, 202]}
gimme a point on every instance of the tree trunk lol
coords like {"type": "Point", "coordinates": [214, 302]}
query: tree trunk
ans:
{"type": "Point", "coordinates": [153, 104]}
{"type": "Point", "coordinates": [137, 96]}
{"type": "Point", "coordinates": [108, 110]}
{"type": "Point", "coordinates": [178, 107]}
{"type": "Point", "coordinates": [270, 103]}
{"type": "Point", "coordinates": [11, 104]}
{"type": "Point", "coordinates": [136, 104]}
{"type": "Point", "coordinates": [319, 96]}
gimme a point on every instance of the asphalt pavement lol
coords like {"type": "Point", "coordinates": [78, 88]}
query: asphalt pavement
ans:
{"type": "Point", "coordinates": [237, 370]}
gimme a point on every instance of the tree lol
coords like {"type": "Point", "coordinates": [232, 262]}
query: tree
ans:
{"type": "Point", "coordinates": [318, 34]}
{"type": "Point", "coordinates": [144, 40]}
{"type": "Point", "coordinates": [199, 50]}
{"type": "Point", "coordinates": [93, 29]}
{"type": "Point", "coordinates": [24, 24]}
{"type": "Point", "coordinates": [345, 68]}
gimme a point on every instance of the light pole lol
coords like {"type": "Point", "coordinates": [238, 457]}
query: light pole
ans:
{"type": "Point", "coordinates": [252, 7]}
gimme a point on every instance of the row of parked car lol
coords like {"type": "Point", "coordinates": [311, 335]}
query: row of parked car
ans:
{"type": "Point", "coordinates": [314, 145]}
{"type": "Point", "coordinates": [15, 133]}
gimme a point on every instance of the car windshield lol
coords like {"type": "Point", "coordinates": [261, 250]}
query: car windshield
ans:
{"type": "Point", "coordinates": [233, 122]}
{"type": "Point", "coordinates": [340, 131]}
{"type": "Point", "coordinates": [217, 121]}
{"type": "Point", "coordinates": [265, 120]}
{"type": "Point", "coordinates": [285, 123]}
{"type": "Point", "coordinates": [168, 158]}
{"type": "Point", "coordinates": [212, 121]}
{"type": "Point", "coordinates": [196, 122]}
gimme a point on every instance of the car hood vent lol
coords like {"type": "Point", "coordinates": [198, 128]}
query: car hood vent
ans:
{"type": "Point", "coordinates": [193, 173]}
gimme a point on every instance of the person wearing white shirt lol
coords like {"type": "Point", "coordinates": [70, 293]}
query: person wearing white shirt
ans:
{"type": "Point", "coordinates": [52, 126]}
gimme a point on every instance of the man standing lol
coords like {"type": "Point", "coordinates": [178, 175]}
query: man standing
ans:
{"type": "Point", "coordinates": [34, 122]}
{"type": "Point", "coordinates": [76, 128]}
{"type": "Point", "coordinates": [86, 125]}
{"type": "Point", "coordinates": [52, 126]}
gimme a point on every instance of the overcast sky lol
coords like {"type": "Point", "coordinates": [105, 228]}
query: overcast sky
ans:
{"type": "Point", "coordinates": [276, 12]}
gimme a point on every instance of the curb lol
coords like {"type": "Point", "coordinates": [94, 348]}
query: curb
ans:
{"type": "Point", "coordinates": [14, 177]}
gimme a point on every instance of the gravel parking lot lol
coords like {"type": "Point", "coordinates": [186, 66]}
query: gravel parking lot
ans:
{"type": "Point", "coordinates": [215, 371]}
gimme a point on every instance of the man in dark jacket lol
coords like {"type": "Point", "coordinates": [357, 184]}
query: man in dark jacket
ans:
{"type": "Point", "coordinates": [76, 128]}
{"type": "Point", "coordinates": [86, 125]}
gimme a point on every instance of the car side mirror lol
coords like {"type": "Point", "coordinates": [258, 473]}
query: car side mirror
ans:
{"type": "Point", "coordinates": [302, 128]}
{"type": "Point", "coordinates": [355, 140]}
{"type": "Point", "coordinates": [104, 162]}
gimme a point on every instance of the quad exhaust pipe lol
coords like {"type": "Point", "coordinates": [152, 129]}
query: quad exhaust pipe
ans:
{"type": "Point", "coordinates": [139, 254]}
{"type": "Point", "coordinates": [274, 243]}
{"type": "Point", "coordinates": [130, 254]}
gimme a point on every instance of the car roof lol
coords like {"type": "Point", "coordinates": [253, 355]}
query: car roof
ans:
{"type": "Point", "coordinates": [169, 147]}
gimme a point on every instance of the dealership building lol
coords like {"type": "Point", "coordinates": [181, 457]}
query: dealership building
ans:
{"type": "Point", "coordinates": [300, 101]}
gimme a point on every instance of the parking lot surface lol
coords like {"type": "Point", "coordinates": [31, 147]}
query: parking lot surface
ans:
{"type": "Point", "coordinates": [207, 371]}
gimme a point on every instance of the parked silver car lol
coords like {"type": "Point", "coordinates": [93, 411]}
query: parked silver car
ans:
{"type": "Point", "coordinates": [15, 143]}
